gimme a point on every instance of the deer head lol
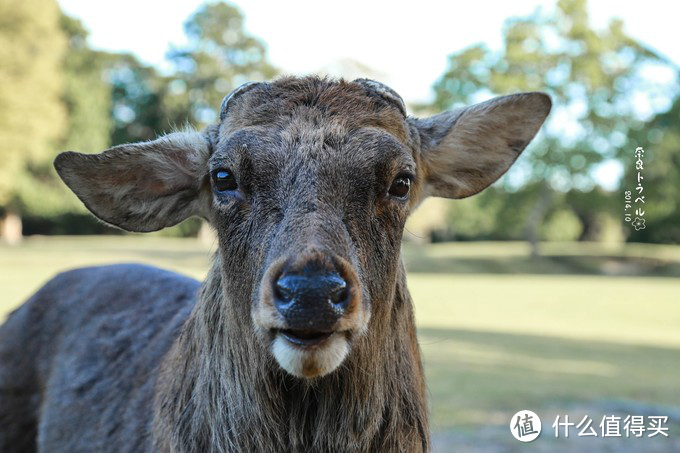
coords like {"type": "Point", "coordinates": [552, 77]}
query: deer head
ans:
{"type": "Point", "coordinates": [308, 183]}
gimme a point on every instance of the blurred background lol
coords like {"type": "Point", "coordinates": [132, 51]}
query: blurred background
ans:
{"type": "Point", "coordinates": [556, 290]}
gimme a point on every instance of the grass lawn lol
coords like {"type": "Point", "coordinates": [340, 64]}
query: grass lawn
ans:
{"type": "Point", "coordinates": [583, 328]}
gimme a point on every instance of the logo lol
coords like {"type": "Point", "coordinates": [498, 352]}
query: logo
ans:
{"type": "Point", "coordinates": [525, 426]}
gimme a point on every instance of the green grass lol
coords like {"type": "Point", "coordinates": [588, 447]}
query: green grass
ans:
{"type": "Point", "coordinates": [23, 269]}
{"type": "Point", "coordinates": [585, 325]}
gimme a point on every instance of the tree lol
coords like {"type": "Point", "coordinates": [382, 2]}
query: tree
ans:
{"type": "Point", "coordinates": [220, 56]}
{"type": "Point", "coordinates": [87, 95]}
{"type": "Point", "coordinates": [32, 116]}
{"type": "Point", "coordinates": [592, 77]}
{"type": "Point", "coordinates": [86, 100]}
{"type": "Point", "coordinates": [138, 101]}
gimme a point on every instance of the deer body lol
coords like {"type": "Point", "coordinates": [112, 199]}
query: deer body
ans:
{"type": "Point", "coordinates": [63, 394]}
{"type": "Point", "coordinates": [302, 337]}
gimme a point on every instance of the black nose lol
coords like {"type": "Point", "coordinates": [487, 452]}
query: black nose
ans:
{"type": "Point", "coordinates": [311, 300]}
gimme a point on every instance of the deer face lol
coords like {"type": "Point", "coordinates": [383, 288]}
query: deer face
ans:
{"type": "Point", "coordinates": [308, 184]}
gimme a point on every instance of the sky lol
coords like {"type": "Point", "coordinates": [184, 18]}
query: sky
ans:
{"type": "Point", "coordinates": [406, 44]}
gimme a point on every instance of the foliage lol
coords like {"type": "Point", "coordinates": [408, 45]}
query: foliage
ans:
{"type": "Point", "coordinates": [137, 105]}
{"type": "Point", "coordinates": [592, 208]}
{"type": "Point", "coordinates": [498, 214]}
{"type": "Point", "coordinates": [562, 225]}
{"type": "Point", "coordinates": [479, 217]}
{"type": "Point", "coordinates": [86, 99]}
{"type": "Point", "coordinates": [32, 116]}
{"type": "Point", "coordinates": [87, 95]}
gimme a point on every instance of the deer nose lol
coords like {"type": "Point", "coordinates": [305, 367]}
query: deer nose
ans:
{"type": "Point", "coordinates": [311, 300]}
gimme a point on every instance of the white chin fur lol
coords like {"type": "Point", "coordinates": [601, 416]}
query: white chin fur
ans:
{"type": "Point", "coordinates": [312, 362]}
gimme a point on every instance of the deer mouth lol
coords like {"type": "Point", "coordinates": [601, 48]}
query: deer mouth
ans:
{"type": "Point", "coordinates": [305, 338]}
{"type": "Point", "coordinates": [309, 353]}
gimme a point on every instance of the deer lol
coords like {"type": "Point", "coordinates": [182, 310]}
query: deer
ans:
{"type": "Point", "coordinates": [302, 338]}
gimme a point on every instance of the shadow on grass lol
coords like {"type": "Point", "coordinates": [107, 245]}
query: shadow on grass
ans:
{"type": "Point", "coordinates": [553, 264]}
{"type": "Point", "coordinates": [476, 378]}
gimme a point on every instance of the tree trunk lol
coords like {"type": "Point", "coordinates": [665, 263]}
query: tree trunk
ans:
{"type": "Point", "coordinates": [536, 217]}
{"type": "Point", "coordinates": [10, 228]}
{"type": "Point", "coordinates": [592, 227]}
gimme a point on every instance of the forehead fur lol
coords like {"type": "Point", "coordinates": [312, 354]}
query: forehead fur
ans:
{"type": "Point", "coordinates": [336, 106]}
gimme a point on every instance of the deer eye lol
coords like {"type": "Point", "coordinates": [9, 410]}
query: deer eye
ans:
{"type": "Point", "coordinates": [400, 187]}
{"type": "Point", "coordinates": [224, 180]}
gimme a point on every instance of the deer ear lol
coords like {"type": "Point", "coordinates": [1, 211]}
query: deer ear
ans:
{"type": "Point", "coordinates": [465, 151]}
{"type": "Point", "coordinates": [142, 186]}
